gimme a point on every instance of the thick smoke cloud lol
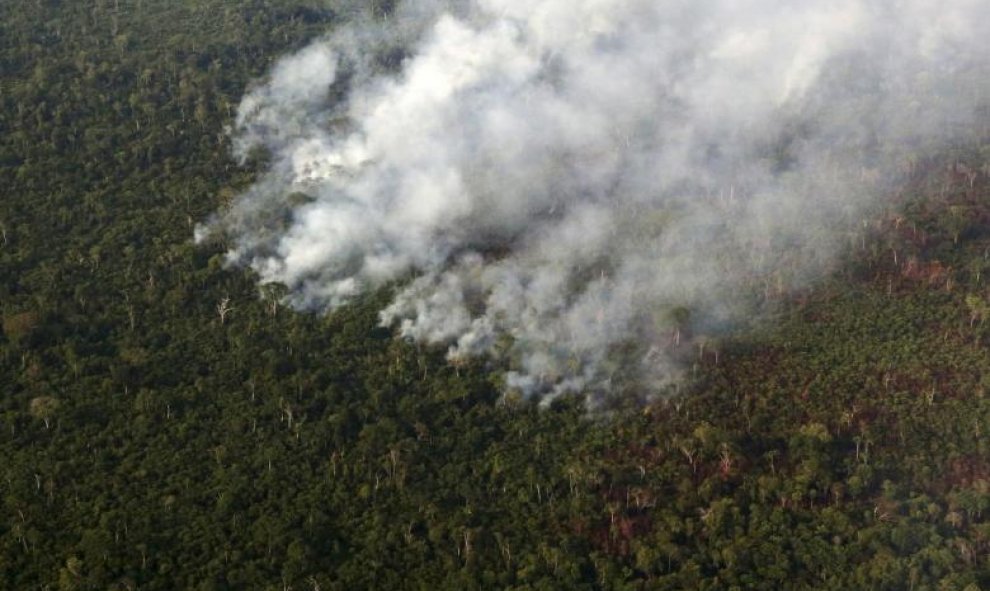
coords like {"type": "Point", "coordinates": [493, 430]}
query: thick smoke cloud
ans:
{"type": "Point", "coordinates": [552, 180]}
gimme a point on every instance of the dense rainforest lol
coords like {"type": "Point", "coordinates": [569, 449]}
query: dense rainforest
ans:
{"type": "Point", "coordinates": [165, 426]}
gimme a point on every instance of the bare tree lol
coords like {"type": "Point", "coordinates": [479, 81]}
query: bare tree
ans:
{"type": "Point", "coordinates": [224, 308]}
{"type": "Point", "coordinates": [273, 293]}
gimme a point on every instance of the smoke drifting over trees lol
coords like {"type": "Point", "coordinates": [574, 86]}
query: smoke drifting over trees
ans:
{"type": "Point", "coordinates": [562, 177]}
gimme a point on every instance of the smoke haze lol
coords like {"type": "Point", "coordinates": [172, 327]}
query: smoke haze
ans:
{"type": "Point", "coordinates": [551, 180]}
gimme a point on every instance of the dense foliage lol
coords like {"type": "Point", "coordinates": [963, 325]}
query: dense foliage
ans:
{"type": "Point", "coordinates": [163, 426]}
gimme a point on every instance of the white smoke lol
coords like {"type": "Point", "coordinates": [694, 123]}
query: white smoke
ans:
{"type": "Point", "coordinates": [565, 177]}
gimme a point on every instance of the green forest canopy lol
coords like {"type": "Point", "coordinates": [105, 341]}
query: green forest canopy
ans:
{"type": "Point", "coordinates": [148, 444]}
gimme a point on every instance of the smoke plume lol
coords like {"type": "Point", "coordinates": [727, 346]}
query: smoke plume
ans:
{"type": "Point", "coordinates": [570, 184]}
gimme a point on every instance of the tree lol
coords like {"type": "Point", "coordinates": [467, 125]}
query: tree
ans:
{"type": "Point", "coordinates": [19, 325]}
{"type": "Point", "coordinates": [44, 407]}
{"type": "Point", "coordinates": [224, 308]}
